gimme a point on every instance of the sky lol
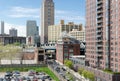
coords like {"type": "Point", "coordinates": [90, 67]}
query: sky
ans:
{"type": "Point", "coordinates": [15, 13]}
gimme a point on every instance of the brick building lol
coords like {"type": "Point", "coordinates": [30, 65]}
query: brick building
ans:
{"type": "Point", "coordinates": [66, 47]}
{"type": "Point", "coordinates": [103, 35]}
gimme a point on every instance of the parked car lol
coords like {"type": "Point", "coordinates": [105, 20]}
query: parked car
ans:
{"type": "Point", "coordinates": [9, 73]}
{"type": "Point", "coordinates": [7, 76]}
{"type": "Point", "coordinates": [42, 78]}
{"type": "Point", "coordinates": [16, 75]}
{"type": "Point", "coordinates": [1, 79]}
{"type": "Point", "coordinates": [31, 73]}
{"type": "Point", "coordinates": [16, 72]}
{"type": "Point", "coordinates": [15, 79]}
{"type": "Point", "coordinates": [28, 79]}
{"type": "Point", "coordinates": [35, 79]}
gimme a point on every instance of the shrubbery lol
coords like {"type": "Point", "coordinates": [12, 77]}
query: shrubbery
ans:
{"type": "Point", "coordinates": [68, 63]}
{"type": "Point", "coordinates": [87, 74]}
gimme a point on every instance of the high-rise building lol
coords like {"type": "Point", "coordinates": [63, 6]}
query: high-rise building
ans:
{"type": "Point", "coordinates": [13, 32]}
{"type": "Point", "coordinates": [47, 18]}
{"type": "Point", "coordinates": [56, 30]}
{"type": "Point", "coordinates": [103, 34]}
{"type": "Point", "coordinates": [32, 30]}
{"type": "Point", "coordinates": [2, 27]}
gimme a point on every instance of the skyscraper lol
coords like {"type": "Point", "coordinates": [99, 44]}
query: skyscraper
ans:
{"type": "Point", "coordinates": [47, 18]}
{"type": "Point", "coordinates": [13, 32]}
{"type": "Point", "coordinates": [2, 27]}
{"type": "Point", "coordinates": [103, 34]}
{"type": "Point", "coordinates": [32, 30]}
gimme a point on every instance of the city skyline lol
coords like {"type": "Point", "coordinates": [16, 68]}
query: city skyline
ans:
{"type": "Point", "coordinates": [16, 13]}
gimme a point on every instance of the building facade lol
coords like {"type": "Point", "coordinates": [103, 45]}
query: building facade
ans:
{"type": "Point", "coordinates": [67, 47]}
{"type": "Point", "coordinates": [41, 58]}
{"type": "Point", "coordinates": [79, 35]}
{"type": "Point", "coordinates": [2, 27]}
{"type": "Point", "coordinates": [32, 31]}
{"type": "Point", "coordinates": [13, 32]}
{"type": "Point", "coordinates": [56, 30]}
{"type": "Point", "coordinates": [78, 60]}
{"type": "Point", "coordinates": [103, 34]}
{"type": "Point", "coordinates": [6, 39]}
{"type": "Point", "coordinates": [31, 28]}
{"type": "Point", "coordinates": [47, 18]}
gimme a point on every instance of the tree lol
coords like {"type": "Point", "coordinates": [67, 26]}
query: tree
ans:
{"type": "Point", "coordinates": [80, 70]}
{"type": "Point", "coordinates": [84, 73]}
{"type": "Point", "coordinates": [89, 75]}
{"type": "Point", "coordinates": [68, 63]}
{"type": "Point", "coordinates": [9, 51]}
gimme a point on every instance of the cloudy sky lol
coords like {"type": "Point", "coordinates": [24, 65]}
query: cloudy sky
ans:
{"type": "Point", "coordinates": [15, 13]}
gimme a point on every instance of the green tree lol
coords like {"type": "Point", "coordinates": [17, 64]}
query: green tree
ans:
{"type": "Point", "coordinates": [68, 63]}
{"type": "Point", "coordinates": [89, 75]}
{"type": "Point", "coordinates": [84, 73]}
{"type": "Point", "coordinates": [80, 70]}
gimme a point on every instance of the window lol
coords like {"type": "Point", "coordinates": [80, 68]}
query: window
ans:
{"type": "Point", "coordinates": [71, 50]}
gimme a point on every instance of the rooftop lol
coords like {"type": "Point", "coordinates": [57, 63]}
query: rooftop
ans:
{"type": "Point", "coordinates": [78, 56]}
{"type": "Point", "coordinates": [66, 38]}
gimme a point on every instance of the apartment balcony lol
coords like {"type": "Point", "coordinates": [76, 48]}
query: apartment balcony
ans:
{"type": "Point", "coordinates": [100, 20]}
{"type": "Point", "coordinates": [99, 7]}
{"type": "Point", "coordinates": [98, 31]}
{"type": "Point", "coordinates": [100, 26]}
{"type": "Point", "coordinates": [100, 11]}
{"type": "Point", "coordinates": [100, 50]}
{"type": "Point", "coordinates": [99, 45]}
{"type": "Point", "coordinates": [99, 16]}
{"type": "Point", "coordinates": [99, 35]}
{"type": "Point", "coordinates": [100, 55]}
{"type": "Point", "coordinates": [100, 2]}
{"type": "Point", "coordinates": [100, 40]}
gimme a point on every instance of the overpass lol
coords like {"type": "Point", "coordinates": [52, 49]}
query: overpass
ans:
{"type": "Point", "coordinates": [50, 50]}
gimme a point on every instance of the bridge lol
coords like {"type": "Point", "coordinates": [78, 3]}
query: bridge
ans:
{"type": "Point", "coordinates": [50, 50]}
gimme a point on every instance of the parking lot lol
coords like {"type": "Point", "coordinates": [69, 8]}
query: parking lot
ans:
{"type": "Point", "coordinates": [25, 76]}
